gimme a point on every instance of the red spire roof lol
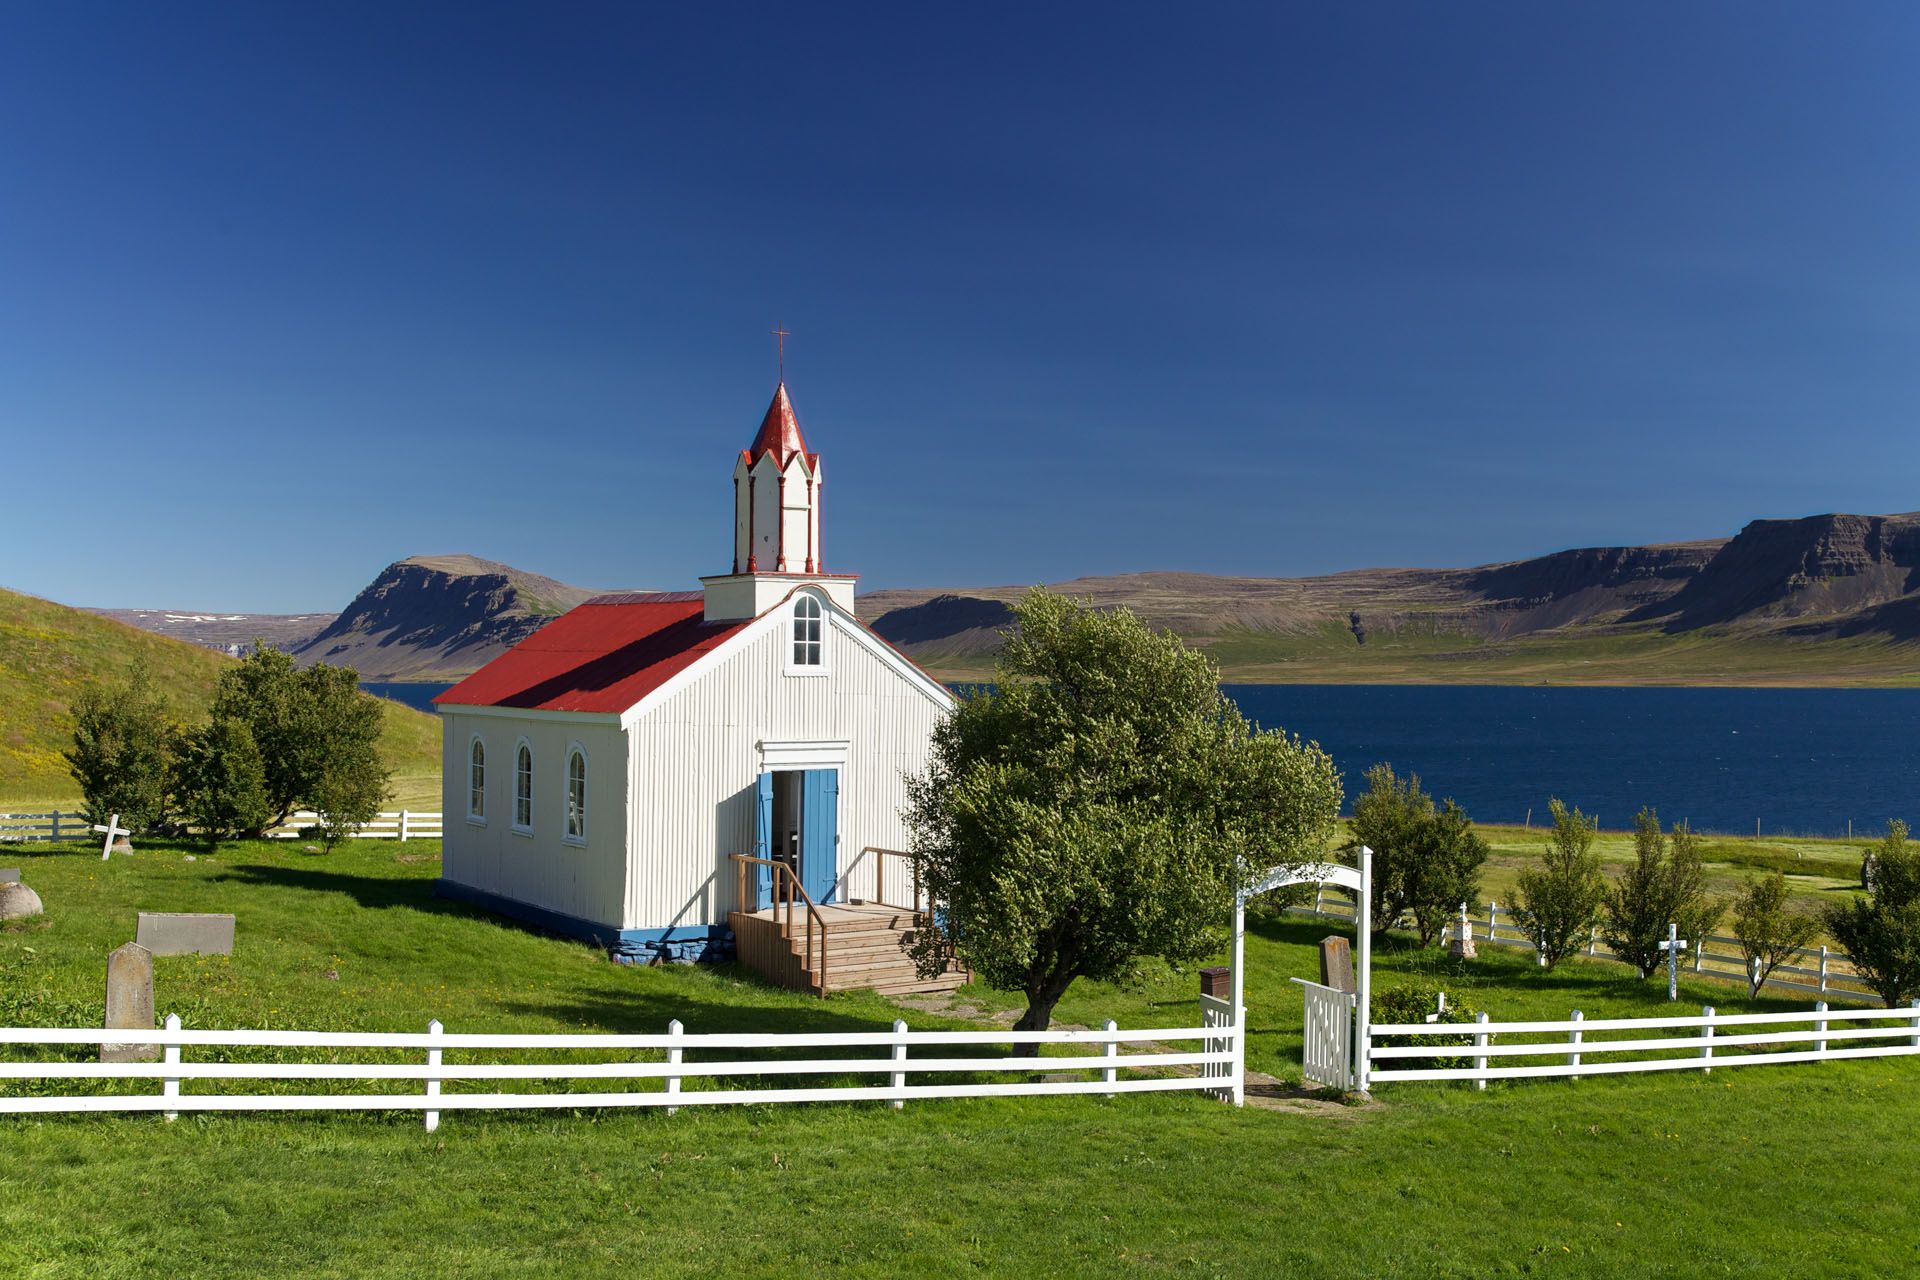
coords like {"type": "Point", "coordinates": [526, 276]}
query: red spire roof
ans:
{"type": "Point", "coordinates": [779, 431]}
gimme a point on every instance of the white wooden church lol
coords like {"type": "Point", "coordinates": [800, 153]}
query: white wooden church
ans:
{"type": "Point", "coordinates": [598, 775]}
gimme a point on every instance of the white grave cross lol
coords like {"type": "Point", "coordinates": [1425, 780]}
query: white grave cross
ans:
{"type": "Point", "coordinates": [1673, 946]}
{"type": "Point", "coordinates": [113, 831]}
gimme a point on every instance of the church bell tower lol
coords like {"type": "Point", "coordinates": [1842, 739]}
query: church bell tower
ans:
{"type": "Point", "coordinates": [776, 523]}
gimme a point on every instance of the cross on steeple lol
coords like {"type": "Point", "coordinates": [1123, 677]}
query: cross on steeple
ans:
{"type": "Point", "coordinates": [780, 337]}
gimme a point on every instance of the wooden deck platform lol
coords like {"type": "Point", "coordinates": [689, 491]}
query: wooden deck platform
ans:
{"type": "Point", "coordinates": [842, 947]}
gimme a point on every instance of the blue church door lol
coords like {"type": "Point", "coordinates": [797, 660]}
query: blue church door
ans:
{"type": "Point", "coordinates": [796, 822]}
{"type": "Point", "coordinates": [819, 832]}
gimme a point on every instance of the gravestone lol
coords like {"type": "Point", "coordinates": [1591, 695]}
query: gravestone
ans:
{"type": "Point", "coordinates": [1462, 947]}
{"type": "Point", "coordinates": [1866, 871]}
{"type": "Point", "coordinates": [130, 1002]}
{"type": "Point", "coordinates": [185, 933]}
{"type": "Point", "coordinates": [1217, 981]}
{"type": "Point", "coordinates": [1336, 963]}
{"type": "Point", "coordinates": [17, 902]}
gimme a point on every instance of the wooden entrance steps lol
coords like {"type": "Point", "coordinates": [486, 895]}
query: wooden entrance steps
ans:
{"type": "Point", "coordinates": [861, 946]}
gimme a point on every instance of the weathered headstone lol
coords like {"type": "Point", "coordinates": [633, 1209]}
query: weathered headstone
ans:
{"type": "Point", "coordinates": [185, 933]}
{"type": "Point", "coordinates": [17, 902]}
{"type": "Point", "coordinates": [1216, 981]}
{"type": "Point", "coordinates": [129, 1002]}
{"type": "Point", "coordinates": [1336, 963]}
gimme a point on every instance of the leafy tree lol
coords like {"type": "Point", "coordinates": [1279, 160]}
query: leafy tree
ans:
{"type": "Point", "coordinates": [317, 735]}
{"type": "Point", "coordinates": [1769, 931]}
{"type": "Point", "coordinates": [1426, 860]}
{"type": "Point", "coordinates": [221, 780]}
{"type": "Point", "coordinates": [1102, 806]}
{"type": "Point", "coordinates": [1881, 933]}
{"type": "Point", "coordinates": [1560, 899]}
{"type": "Point", "coordinates": [1667, 884]}
{"type": "Point", "coordinates": [119, 752]}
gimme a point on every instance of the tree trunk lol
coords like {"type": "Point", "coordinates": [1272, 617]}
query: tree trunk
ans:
{"type": "Point", "coordinates": [1041, 998]}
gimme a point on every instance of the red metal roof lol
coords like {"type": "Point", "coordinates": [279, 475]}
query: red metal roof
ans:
{"type": "Point", "coordinates": [603, 656]}
{"type": "Point", "coordinates": [779, 432]}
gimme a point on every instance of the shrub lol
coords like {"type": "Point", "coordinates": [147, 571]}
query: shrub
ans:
{"type": "Point", "coordinates": [1560, 899]}
{"type": "Point", "coordinates": [318, 737]}
{"type": "Point", "coordinates": [119, 751]}
{"type": "Point", "coordinates": [1881, 932]}
{"type": "Point", "coordinates": [1666, 885]}
{"type": "Point", "coordinates": [221, 781]}
{"type": "Point", "coordinates": [1416, 1002]}
{"type": "Point", "coordinates": [1769, 931]}
{"type": "Point", "coordinates": [1426, 860]}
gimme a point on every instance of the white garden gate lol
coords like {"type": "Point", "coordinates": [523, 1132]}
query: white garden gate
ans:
{"type": "Point", "coordinates": [1327, 1055]}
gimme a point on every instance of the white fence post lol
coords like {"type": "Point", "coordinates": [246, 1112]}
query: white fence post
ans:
{"type": "Point", "coordinates": [170, 1087]}
{"type": "Point", "coordinates": [1914, 1039]}
{"type": "Point", "coordinates": [1113, 1053]}
{"type": "Point", "coordinates": [899, 1077]}
{"type": "Point", "coordinates": [56, 824]}
{"type": "Point", "coordinates": [1480, 1060]}
{"type": "Point", "coordinates": [1317, 891]}
{"type": "Point", "coordinates": [403, 826]}
{"type": "Point", "coordinates": [1699, 954]}
{"type": "Point", "coordinates": [1820, 1025]}
{"type": "Point", "coordinates": [1823, 968]}
{"type": "Point", "coordinates": [1574, 1038]}
{"type": "Point", "coordinates": [1706, 1035]}
{"type": "Point", "coordinates": [1493, 921]}
{"type": "Point", "coordinates": [433, 1086]}
{"type": "Point", "coordinates": [674, 1059]}
{"type": "Point", "coordinates": [1593, 940]}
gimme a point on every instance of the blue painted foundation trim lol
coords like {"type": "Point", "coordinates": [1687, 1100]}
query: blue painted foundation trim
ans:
{"type": "Point", "coordinates": [686, 944]}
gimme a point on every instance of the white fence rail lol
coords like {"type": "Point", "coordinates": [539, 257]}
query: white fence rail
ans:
{"type": "Point", "coordinates": [18, 828]}
{"type": "Point", "coordinates": [1699, 1043]}
{"type": "Point", "coordinates": [405, 824]}
{"type": "Point", "coordinates": [660, 1062]}
{"type": "Point", "coordinates": [1817, 971]}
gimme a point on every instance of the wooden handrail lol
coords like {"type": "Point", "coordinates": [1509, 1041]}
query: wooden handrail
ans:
{"type": "Point", "coordinates": [879, 875]}
{"type": "Point", "coordinates": [786, 888]}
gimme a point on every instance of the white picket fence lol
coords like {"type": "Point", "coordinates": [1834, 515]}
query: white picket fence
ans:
{"type": "Point", "coordinates": [1814, 970]}
{"type": "Point", "coordinates": [675, 1079]}
{"type": "Point", "coordinates": [1700, 1043]}
{"type": "Point", "coordinates": [406, 824]}
{"type": "Point", "coordinates": [1326, 1048]}
{"type": "Point", "coordinates": [19, 828]}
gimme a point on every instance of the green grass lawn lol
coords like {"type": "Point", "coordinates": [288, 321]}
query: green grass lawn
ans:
{"type": "Point", "coordinates": [1760, 1171]}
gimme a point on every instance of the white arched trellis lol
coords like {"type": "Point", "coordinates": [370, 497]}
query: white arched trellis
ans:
{"type": "Point", "coordinates": [1360, 881]}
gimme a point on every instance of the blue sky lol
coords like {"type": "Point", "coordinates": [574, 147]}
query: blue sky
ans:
{"type": "Point", "coordinates": [287, 293]}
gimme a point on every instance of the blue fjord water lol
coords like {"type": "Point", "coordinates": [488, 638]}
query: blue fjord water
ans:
{"type": "Point", "coordinates": [1797, 761]}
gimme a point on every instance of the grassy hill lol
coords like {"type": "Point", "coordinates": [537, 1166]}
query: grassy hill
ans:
{"type": "Point", "coordinates": [49, 653]}
{"type": "Point", "coordinates": [1621, 1175]}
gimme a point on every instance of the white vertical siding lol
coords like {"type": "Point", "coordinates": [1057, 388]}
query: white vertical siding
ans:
{"type": "Point", "coordinates": [695, 758]}
{"type": "Point", "coordinates": [544, 869]}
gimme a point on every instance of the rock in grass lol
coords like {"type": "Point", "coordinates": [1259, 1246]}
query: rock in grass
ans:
{"type": "Point", "coordinates": [17, 902]}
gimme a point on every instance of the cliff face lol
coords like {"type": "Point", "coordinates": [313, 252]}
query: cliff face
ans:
{"type": "Point", "coordinates": [1857, 574]}
{"type": "Point", "coordinates": [438, 617]}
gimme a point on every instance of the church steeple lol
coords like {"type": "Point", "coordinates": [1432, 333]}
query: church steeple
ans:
{"type": "Point", "coordinates": [776, 497]}
{"type": "Point", "coordinates": [776, 524]}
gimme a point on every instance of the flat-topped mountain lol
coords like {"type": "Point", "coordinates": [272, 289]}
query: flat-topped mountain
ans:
{"type": "Point", "coordinates": [439, 618]}
{"type": "Point", "coordinates": [1820, 600]}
